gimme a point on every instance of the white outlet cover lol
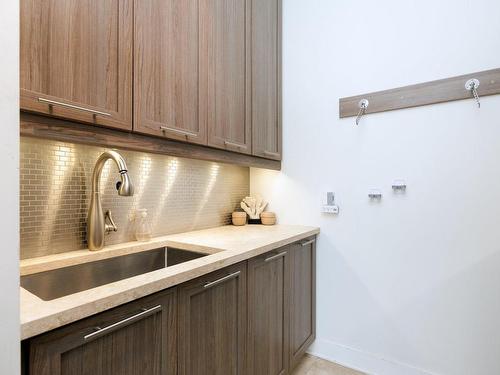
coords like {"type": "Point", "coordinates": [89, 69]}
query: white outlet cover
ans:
{"type": "Point", "coordinates": [331, 209]}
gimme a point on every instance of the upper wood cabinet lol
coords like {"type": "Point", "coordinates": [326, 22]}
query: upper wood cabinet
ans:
{"type": "Point", "coordinates": [266, 78]}
{"type": "Point", "coordinates": [206, 72]}
{"type": "Point", "coordinates": [191, 71]}
{"type": "Point", "coordinates": [76, 60]}
{"type": "Point", "coordinates": [136, 338]}
{"type": "Point", "coordinates": [225, 84]}
{"type": "Point", "coordinates": [167, 69]}
{"type": "Point", "coordinates": [212, 323]}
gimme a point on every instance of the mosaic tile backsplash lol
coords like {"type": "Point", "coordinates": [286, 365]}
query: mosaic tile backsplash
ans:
{"type": "Point", "coordinates": [179, 194]}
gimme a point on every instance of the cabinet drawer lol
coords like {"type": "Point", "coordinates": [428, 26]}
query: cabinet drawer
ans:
{"type": "Point", "coordinates": [139, 337]}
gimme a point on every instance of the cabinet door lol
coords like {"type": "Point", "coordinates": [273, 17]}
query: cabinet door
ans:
{"type": "Point", "coordinates": [76, 60]}
{"type": "Point", "coordinates": [137, 338]}
{"type": "Point", "coordinates": [224, 82]}
{"type": "Point", "coordinates": [302, 299]}
{"type": "Point", "coordinates": [212, 323]}
{"type": "Point", "coordinates": [266, 78]}
{"type": "Point", "coordinates": [268, 313]}
{"type": "Point", "coordinates": [167, 71]}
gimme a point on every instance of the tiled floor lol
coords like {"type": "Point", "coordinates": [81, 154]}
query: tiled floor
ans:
{"type": "Point", "coordinates": [311, 365]}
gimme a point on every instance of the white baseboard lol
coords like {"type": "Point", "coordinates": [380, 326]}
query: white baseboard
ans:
{"type": "Point", "coordinates": [362, 361]}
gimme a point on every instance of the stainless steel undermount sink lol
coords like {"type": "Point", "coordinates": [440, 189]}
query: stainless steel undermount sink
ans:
{"type": "Point", "coordinates": [61, 282]}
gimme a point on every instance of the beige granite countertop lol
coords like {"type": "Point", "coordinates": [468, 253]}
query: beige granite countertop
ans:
{"type": "Point", "coordinates": [225, 245]}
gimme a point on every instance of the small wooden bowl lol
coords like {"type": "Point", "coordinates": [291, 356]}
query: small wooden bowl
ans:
{"type": "Point", "coordinates": [268, 218]}
{"type": "Point", "coordinates": [239, 218]}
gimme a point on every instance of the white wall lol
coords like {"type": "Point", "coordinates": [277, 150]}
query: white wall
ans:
{"type": "Point", "coordinates": [410, 285]}
{"type": "Point", "coordinates": [9, 191]}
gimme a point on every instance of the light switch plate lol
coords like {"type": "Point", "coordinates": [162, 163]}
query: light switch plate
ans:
{"type": "Point", "coordinates": [329, 207]}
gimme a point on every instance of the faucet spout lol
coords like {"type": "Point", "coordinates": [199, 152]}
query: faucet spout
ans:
{"type": "Point", "coordinates": [96, 220]}
{"type": "Point", "coordinates": [125, 187]}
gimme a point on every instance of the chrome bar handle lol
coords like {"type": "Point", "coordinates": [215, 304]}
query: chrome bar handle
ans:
{"type": "Point", "coordinates": [61, 104]}
{"type": "Point", "coordinates": [112, 327]}
{"type": "Point", "coordinates": [269, 153]}
{"type": "Point", "coordinates": [221, 280]}
{"type": "Point", "coordinates": [282, 254]}
{"type": "Point", "coordinates": [238, 145]}
{"type": "Point", "coordinates": [178, 131]}
{"type": "Point", "coordinates": [308, 242]}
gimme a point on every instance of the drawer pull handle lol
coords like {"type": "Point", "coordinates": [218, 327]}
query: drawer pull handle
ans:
{"type": "Point", "coordinates": [269, 153]}
{"type": "Point", "coordinates": [308, 242]}
{"type": "Point", "coordinates": [178, 131]}
{"type": "Point", "coordinates": [282, 254]}
{"type": "Point", "coordinates": [238, 145]}
{"type": "Point", "coordinates": [53, 102]}
{"type": "Point", "coordinates": [221, 280]}
{"type": "Point", "coordinates": [112, 327]}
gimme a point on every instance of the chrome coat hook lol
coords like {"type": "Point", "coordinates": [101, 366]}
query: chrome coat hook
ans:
{"type": "Point", "coordinates": [362, 105]}
{"type": "Point", "coordinates": [472, 85]}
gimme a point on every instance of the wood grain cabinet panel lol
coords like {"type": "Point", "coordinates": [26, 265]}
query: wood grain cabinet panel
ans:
{"type": "Point", "coordinates": [76, 60]}
{"type": "Point", "coordinates": [191, 71]}
{"type": "Point", "coordinates": [255, 317]}
{"type": "Point", "coordinates": [302, 298]}
{"type": "Point", "coordinates": [212, 323]}
{"type": "Point", "coordinates": [268, 313]}
{"type": "Point", "coordinates": [224, 82]}
{"type": "Point", "coordinates": [137, 338]}
{"type": "Point", "coordinates": [167, 69]}
{"type": "Point", "coordinates": [266, 78]}
{"type": "Point", "coordinates": [199, 71]}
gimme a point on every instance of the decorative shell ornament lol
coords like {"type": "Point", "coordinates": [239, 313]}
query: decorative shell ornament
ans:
{"type": "Point", "coordinates": [253, 206]}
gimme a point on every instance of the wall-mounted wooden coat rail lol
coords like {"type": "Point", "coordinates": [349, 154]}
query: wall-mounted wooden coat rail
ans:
{"type": "Point", "coordinates": [440, 91]}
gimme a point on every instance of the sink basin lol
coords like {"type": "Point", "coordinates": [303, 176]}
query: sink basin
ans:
{"type": "Point", "coordinates": [61, 282]}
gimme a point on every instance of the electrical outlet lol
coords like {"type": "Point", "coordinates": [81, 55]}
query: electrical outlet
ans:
{"type": "Point", "coordinates": [331, 209]}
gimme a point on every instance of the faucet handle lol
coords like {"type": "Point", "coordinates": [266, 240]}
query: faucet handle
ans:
{"type": "Point", "coordinates": [111, 227]}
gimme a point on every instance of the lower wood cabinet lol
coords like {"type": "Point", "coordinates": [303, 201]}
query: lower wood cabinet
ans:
{"type": "Point", "coordinates": [212, 323]}
{"type": "Point", "coordinates": [302, 298]}
{"type": "Point", "coordinates": [252, 318]}
{"type": "Point", "coordinates": [281, 308]}
{"type": "Point", "coordinates": [268, 313]}
{"type": "Point", "coordinates": [136, 338]}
